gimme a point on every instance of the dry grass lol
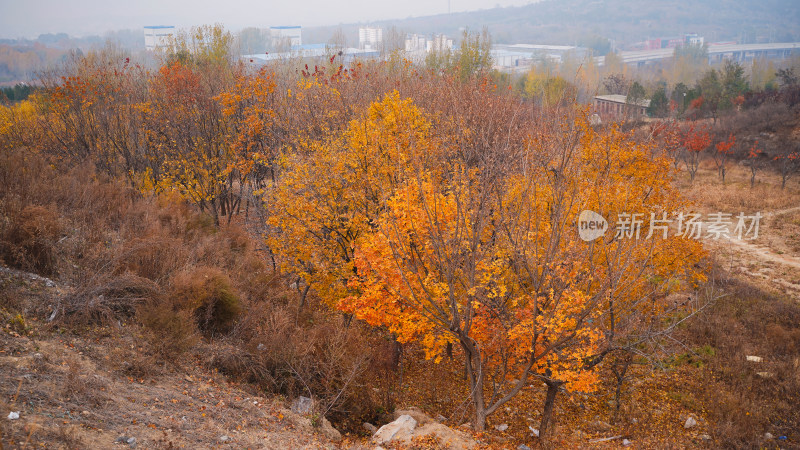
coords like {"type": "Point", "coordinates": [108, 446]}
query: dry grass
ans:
{"type": "Point", "coordinates": [28, 239]}
{"type": "Point", "coordinates": [711, 195]}
{"type": "Point", "coordinates": [744, 399]}
{"type": "Point", "coordinates": [184, 288]}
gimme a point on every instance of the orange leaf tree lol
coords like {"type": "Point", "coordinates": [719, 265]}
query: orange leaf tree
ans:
{"type": "Point", "coordinates": [696, 139]}
{"type": "Point", "coordinates": [487, 258]}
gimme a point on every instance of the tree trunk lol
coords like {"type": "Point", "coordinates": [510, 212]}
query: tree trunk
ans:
{"type": "Point", "coordinates": [303, 296]}
{"type": "Point", "coordinates": [620, 370]}
{"type": "Point", "coordinates": [474, 371]}
{"type": "Point", "coordinates": [547, 415]}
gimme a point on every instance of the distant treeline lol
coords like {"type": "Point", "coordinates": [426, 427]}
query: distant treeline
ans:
{"type": "Point", "coordinates": [21, 58]}
{"type": "Point", "coordinates": [17, 93]}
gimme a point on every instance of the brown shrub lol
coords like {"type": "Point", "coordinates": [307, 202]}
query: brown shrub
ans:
{"type": "Point", "coordinates": [208, 293]}
{"type": "Point", "coordinates": [317, 355]}
{"type": "Point", "coordinates": [171, 333]}
{"type": "Point", "coordinates": [28, 240]}
{"type": "Point", "coordinates": [104, 301]}
{"type": "Point", "coordinates": [156, 258]}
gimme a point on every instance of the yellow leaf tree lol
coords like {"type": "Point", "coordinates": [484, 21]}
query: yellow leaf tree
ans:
{"type": "Point", "coordinates": [329, 193]}
{"type": "Point", "coordinates": [488, 258]}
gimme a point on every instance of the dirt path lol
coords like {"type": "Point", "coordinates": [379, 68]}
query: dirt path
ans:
{"type": "Point", "coordinates": [757, 253]}
{"type": "Point", "coordinates": [763, 254]}
{"type": "Point", "coordinates": [782, 211]}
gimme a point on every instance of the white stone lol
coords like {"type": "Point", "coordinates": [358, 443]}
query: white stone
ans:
{"type": "Point", "coordinates": [416, 413]}
{"type": "Point", "coordinates": [752, 358]}
{"type": "Point", "coordinates": [690, 422]}
{"type": "Point", "coordinates": [501, 427]}
{"type": "Point", "coordinates": [403, 426]}
{"type": "Point", "coordinates": [13, 415]}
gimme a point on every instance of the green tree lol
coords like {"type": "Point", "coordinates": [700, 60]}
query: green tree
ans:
{"type": "Point", "coordinates": [636, 93]}
{"type": "Point", "coordinates": [734, 83]}
{"type": "Point", "coordinates": [659, 103]}
{"type": "Point", "coordinates": [474, 56]}
{"type": "Point", "coordinates": [711, 90]}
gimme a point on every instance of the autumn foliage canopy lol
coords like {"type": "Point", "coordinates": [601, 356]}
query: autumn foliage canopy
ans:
{"type": "Point", "coordinates": [434, 206]}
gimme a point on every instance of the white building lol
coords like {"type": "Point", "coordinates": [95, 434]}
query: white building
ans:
{"type": "Point", "coordinates": [156, 36]}
{"type": "Point", "coordinates": [439, 43]}
{"type": "Point", "coordinates": [415, 43]}
{"type": "Point", "coordinates": [370, 38]}
{"type": "Point", "coordinates": [288, 36]}
{"type": "Point", "coordinates": [417, 46]}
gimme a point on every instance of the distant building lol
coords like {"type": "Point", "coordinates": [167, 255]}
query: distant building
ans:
{"type": "Point", "coordinates": [519, 57]}
{"type": "Point", "coordinates": [439, 43]}
{"type": "Point", "coordinates": [286, 36]}
{"type": "Point", "coordinates": [610, 107]}
{"type": "Point", "coordinates": [693, 39]}
{"type": "Point", "coordinates": [415, 43]}
{"type": "Point", "coordinates": [156, 36]}
{"type": "Point", "coordinates": [417, 46]}
{"type": "Point", "coordinates": [370, 38]}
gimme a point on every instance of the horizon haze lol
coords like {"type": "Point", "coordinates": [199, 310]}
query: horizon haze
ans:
{"type": "Point", "coordinates": [95, 17]}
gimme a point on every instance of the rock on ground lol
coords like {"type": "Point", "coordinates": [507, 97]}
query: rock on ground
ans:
{"type": "Point", "coordinates": [416, 413]}
{"type": "Point", "coordinates": [401, 428]}
{"type": "Point", "coordinates": [405, 429]}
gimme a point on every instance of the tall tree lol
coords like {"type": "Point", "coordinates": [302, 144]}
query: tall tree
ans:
{"type": "Point", "coordinates": [659, 103]}
{"type": "Point", "coordinates": [485, 258]}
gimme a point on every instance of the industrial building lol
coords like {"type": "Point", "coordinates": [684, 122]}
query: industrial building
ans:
{"type": "Point", "coordinates": [156, 36]}
{"type": "Point", "coordinates": [613, 107]}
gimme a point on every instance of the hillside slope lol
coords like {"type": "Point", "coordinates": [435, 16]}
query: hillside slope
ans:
{"type": "Point", "coordinates": [581, 21]}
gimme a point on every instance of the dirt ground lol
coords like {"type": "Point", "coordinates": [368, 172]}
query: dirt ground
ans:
{"type": "Point", "coordinates": [82, 391]}
{"type": "Point", "coordinates": [772, 260]}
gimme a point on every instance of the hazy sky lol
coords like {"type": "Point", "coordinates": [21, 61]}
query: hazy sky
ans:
{"type": "Point", "coordinates": [29, 18]}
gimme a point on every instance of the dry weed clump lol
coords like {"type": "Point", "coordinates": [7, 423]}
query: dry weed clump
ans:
{"type": "Point", "coordinates": [314, 354]}
{"type": "Point", "coordinates": [28, 239]}
{"type": "Point", "coordinates": [208, 294]}
{"type": "Point", "coordinates": [106, 301]}
{"type": "Point", "coordinates": [170, 333]}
